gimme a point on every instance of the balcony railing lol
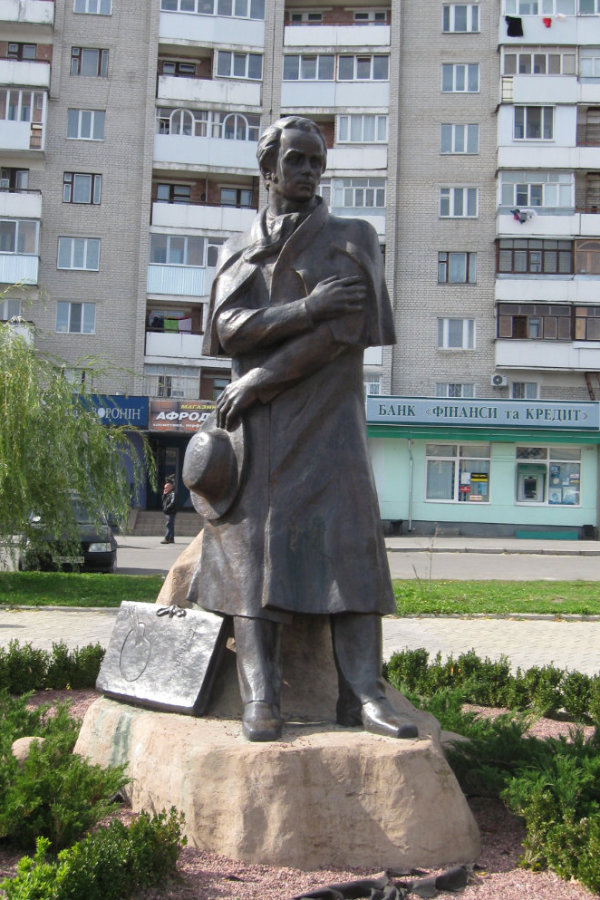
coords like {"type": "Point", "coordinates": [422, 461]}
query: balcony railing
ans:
{"type": "Point", "coordinates": [20, 204]}
{"type": "Point", "coordinates": [33, 12]}
{"type": "Point", "coordinates": [174, 344]}
{"type": "Point", "coordinates": [16, 268]}
{"type": "Point", "coordinates": [180, 281]}
{"type": "Point", "coordinates": [203, 216]}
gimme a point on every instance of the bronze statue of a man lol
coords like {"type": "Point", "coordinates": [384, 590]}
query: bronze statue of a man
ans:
{"type": "Point", "coordinates": [295, 302]}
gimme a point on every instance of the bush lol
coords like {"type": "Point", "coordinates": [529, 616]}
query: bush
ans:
{"type": "Point", "coordinates": [24, 668]}
{"type": "Point", "coordinates": [55, 794]}
{"type": "Point", "coordinates": [109, 864]}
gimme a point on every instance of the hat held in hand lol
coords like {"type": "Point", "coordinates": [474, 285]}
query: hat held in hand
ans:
{"type": "Point", "coordinates": [212, 467]}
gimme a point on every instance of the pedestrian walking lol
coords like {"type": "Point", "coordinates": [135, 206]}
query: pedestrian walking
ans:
{"type": "Point", "coordinates": [169, 506]}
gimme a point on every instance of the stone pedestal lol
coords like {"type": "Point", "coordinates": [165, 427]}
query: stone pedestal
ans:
{"type": "Point", "coordinates": [322, 796]}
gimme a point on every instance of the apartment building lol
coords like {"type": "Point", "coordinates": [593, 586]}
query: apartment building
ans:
{"type": "Point", "coordinates": [466, 133]}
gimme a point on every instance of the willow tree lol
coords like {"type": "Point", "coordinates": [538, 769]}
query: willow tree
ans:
{"type": "Point", "coordinates": [54, 446]}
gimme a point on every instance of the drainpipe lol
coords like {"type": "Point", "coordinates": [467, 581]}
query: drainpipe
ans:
{"type": "Point", "coordinates": [410, 483]}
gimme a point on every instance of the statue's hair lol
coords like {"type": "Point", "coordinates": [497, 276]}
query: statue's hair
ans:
{"type": "Point", "coordinates": [270, 140]}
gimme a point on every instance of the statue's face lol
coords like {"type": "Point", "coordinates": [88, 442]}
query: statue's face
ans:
{"type": "Point", "coordinates": [300, 164]}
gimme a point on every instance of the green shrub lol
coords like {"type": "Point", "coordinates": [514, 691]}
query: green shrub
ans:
{"type": "Point", "coordinates": [24, 668]}
{"type": "Point", "coordinates": [576, 691]}
{"type": "Point", "coordinates": [55, 793]}
{"type": "Point", "coordinates": [109, 864]}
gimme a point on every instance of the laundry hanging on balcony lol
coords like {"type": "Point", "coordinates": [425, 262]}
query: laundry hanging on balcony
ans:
{"type": "Point", "coordinates": [514, 26]}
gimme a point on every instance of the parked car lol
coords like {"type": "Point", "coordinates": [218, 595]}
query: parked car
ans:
{"type": "Point", "coordinates": [97, 546]}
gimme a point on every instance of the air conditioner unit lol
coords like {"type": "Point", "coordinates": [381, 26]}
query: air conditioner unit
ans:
{"type": "Point", "coordinates": [499, 381]}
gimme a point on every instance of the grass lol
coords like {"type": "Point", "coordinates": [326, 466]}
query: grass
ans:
{"type": "Point", "coordinates": [505, 598]}
{"type": "Point", "coordinates": [413, 597]}
{"type": "Point", "coordinates": [76, 589]}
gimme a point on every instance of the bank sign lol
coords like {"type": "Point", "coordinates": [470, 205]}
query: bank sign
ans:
{"type": "Point", "coordinates": [499, 413]}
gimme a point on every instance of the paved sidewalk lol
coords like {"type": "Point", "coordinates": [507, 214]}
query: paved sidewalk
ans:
{"type": "Point", "coordinates": [569, 644]}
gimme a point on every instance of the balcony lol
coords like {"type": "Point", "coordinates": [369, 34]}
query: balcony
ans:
{"type": "Point", "coordinates": [179, 281]}
{"type": "Point", "coordinates": [30, 12]}
{"type": "Point", "coordinates": [25, 72]}
{"type": "Point", "coordinates": [373, 356]}
{"type": "Point", "coordinates": [549, 289]}
{"type": "Point", "coordinates": [221, 91]}
{"type": "Point", "coordinates": [21, 136]}
{"type": "Point", "coordinates": [376, 218]}
{"type": "Point", "coordinates": [559, 224]}
{"type": "Point", "coordinates": [174, 345]}
{"type": "Point", "coordinates": [347, 95]}
{"type": "Point", "coordinates": [21, 204]}
{"type": "Point", "coordinates": [571, 30]}
{"type": "Point", "coordinates": [18, 268]}
{"type": "Point", "coordinates": [363, 158]}
{"type": "Point", "coordinates": [547, 156]}
{"type": "Point", "coordinates": [205, 218]}
{"type": "Point", "coordinates": [573, 356]}
{"type": "Point", "coordinates": [212, 154]}
{"type": "Point", "coordinates": [367, 36]}
{"type": "Point", "coordinates": [224, 31]}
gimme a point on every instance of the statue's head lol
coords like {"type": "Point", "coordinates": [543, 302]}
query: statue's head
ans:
{"type": "Point", "coordinates": [292, 156]}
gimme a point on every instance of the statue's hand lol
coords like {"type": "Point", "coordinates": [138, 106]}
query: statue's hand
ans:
{"type": "Point", "coordinates": [335, 297]}
{"type": "Point", "coordinates": [237, 397]}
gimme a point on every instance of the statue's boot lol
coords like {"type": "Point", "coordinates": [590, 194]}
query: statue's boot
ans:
{"type": "Point", "coordinates": [258, 653]}
{"type": "Point", "coordinates": [357, 648]}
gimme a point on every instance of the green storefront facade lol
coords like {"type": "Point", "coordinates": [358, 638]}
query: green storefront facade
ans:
{"type": "Point", "coordinates": [486, 467]}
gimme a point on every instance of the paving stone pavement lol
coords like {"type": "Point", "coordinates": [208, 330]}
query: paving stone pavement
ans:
{"type": "Point", "coordinates": [569, 644]}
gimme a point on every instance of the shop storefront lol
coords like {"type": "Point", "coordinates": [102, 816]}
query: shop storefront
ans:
{"type": "Point", "coordinates": [486, 467]}
{"type": "Point", "coordinates": [171, 424]}
{"type": "Point", "coordinates": [129, 412]}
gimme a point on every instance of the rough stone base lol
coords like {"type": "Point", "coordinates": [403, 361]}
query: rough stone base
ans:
{"type": "Point", "coordinates": [322, 796]}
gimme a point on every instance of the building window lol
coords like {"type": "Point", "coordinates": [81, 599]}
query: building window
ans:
{"type": "Point", "coordinates": [239, 65]}
{"type": "Point", "coordinates": [456, 334]}
{"type": "Point", "coordinates": [589, 62]}
{"type": "Point", "coordinates": [539, 62]}
{"type": "Point", "coordinates": [178, 69]}
{"type": "Point", "coordinates": [458, 473]}
{"type": "Point", "coordinates": [541, 189]}
{"type": "Point", "coordinates": [589, 7]}
{"type": "Point", "coordinates": [457, 268]}
{"type": "Point", "coordinates": [358, 193]}
{"type": "Point", "coordinates": [241, 197]}
{"type": "Point", "coordinates": [19, 236]}
{"type": "Point", "coordinates": [20, 51]}
{"type": "Point", "coordinates": [81, 188]}
{"type": "Point", "coordinates": [85, 124]}
{"type": "Point", "coordinates": [93, 7]}
{"type": "Point", "coordinates": [309, 67]}
{"type": "Point", "coordinates": [524, 390]}
{"type": "Point", "coordinates": [362, 129]}
{"type": "Point", "coordinates": [89, 61]}
{"type": "Point", "coordinates": [372, 384]}
{"type": "Point", "coordinates": [79, 253]}
{"type": "Point", "coordinates": [586, 323]}
{"type": "Point", "coordinates": [458, 78]}
{"type": "Point", "coordinates": [172, 381]}
{"type": "Point", "coordinates": [239, 9]}
{"type": "Point", "coordinates": [173, 193]}
{"type": "Point", "coordinates": [458, 203]}
{"type": "Point", "coordinates": [540, 7]}
{"type": "Point", "coordinates": [460, 17]}
{"type": "Point", "coordinates": [14, 180]}
{"type": "Point", "coordinates": [529, 256]}
{"type": "Point", "coordinates": [550, 476]}
{"type": "Point", "coordinates": [305, 17]}
{"type": "Point", "coordinates": [184, 250]}
{"type": "Point", "coordinates": [460, 139]}
{"type": "Point", "coordinates": [534, 322]}
{"type": "Point", "coordinates": [454, 390]}
{"type": "Point", "coordinates": [21, 106]}
{"type": "Point", "coordinates": [587, 257]}
{"type": "Point", "coordinates": [75, 318]}
{"type": "Point", "coordinates": [8, 309]}
{"type": "Point", "coordinates": [363, 68]}
{"type": "Point", "coordinates": [370, 16]}
{"type": "Point", "coordinates": [206, 123]}
{"type": "Point", "coordinates": [534, 123]}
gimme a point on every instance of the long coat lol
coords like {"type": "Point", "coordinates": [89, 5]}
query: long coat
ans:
{"type": "Point", "coordinates": [304, 532]}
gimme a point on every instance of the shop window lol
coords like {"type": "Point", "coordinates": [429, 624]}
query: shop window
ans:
{"type": "Point", "coordinates": [458, 473]}
{"type": "Point", "coordinates": [549, 476]}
